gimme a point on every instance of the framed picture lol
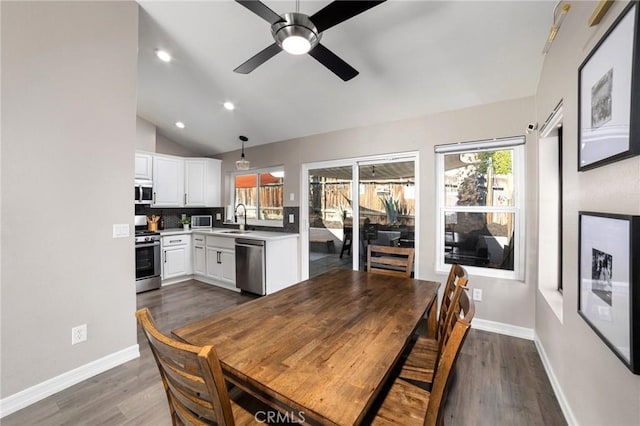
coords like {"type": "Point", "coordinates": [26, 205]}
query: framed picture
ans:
{"type": "Point", "coordinates": [609, 280]}
{"type": "Point", "coordinates": [609, 95]}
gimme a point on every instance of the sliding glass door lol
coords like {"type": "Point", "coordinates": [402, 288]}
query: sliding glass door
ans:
{"type": "Point", "coordinates": [348, 204]}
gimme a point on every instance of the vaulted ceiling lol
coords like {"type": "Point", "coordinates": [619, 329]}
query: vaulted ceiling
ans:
{"type": "Point", "coordinates": [414, 58]}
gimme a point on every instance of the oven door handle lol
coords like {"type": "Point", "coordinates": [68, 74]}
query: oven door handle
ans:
{"type": "Point", "coordinates": [147, 245]}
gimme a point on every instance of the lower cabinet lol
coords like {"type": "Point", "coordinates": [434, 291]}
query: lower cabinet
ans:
{"type": "Point", "coordinates": [221, 264]}
{"type": "Point", "coordinates": [176, 256]}
{"type": "Point", "coordinates": [199, 260]}
{"type": "Point", "coordinates": [215, 258]}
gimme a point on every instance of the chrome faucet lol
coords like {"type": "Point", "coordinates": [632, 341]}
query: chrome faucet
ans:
{"type": "Point", "coordinates": [235, 214]}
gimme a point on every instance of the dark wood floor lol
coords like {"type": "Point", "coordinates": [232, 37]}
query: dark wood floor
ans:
{"type": "Point", "coordinates": [500, 380]}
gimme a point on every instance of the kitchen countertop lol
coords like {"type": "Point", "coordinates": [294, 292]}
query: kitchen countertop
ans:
{"type": "Point", "coordinates": [224, 232]}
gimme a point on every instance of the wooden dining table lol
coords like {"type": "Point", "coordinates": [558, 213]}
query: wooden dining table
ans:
{"type": "Point", "coordinates": [321, 349]}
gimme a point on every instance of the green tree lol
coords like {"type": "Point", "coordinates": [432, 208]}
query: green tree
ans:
{"type": "Point", "coordinates": [501, 162]}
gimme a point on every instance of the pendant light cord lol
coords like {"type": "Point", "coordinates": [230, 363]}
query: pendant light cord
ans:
{"type": "Point", "coordinates": [297, 6]}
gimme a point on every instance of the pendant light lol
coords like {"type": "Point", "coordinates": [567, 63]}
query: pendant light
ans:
{"type": "Point", "coordinates": [242, 163]}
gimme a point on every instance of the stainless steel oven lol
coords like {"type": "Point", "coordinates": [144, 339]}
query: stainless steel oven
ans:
{"type": "Point", "coordinates": [148, 265]}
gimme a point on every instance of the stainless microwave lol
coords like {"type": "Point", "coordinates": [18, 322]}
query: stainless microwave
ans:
{"type": "Point", "coordinates": [204, 221]}
{"type": "Point", "coordinates": [143, 192]}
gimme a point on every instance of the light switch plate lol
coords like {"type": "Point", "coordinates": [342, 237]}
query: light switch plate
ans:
{"type": "Point", "coordinates": [120, 230]}
{"type": "Point", "coordinates": [291, 218]}
{"type": "Point", "coordinates": [292, 196]}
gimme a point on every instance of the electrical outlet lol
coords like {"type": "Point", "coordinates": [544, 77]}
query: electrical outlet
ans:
{"type": "Point", "coordinates": [477, 294]}
{"type": "Point", "coordinates": [78, 334]}
{"type": "Point", "coordinates": [218, 216]}
{"type": "Point", "coordinates": [291, 218]}
{"type": "Point", "coordinates": [292, 196]}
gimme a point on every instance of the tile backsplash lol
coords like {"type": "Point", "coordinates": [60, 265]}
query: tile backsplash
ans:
{"type": "Point", "coordinates": [172, 217]}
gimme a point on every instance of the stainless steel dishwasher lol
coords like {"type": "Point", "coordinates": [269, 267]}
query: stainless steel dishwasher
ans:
{"type": "Point", "coordinates": [250, 268]}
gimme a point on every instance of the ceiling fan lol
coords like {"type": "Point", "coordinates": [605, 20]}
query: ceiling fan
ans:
{"type": "Point", "coordinates": [297, 33]}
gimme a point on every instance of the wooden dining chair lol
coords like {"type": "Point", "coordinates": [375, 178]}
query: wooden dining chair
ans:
{"type": "Point", "coordinates": [390, 260]}
{"type": "Point", "coordinates": [194, 382]}
{"type": "Point", "coordinates": [421, 361]}
{"type": "Point", "coordinates": [407, 404]}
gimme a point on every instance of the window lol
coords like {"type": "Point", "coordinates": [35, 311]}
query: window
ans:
{"type": "Point", "coordinates": [480, 206]}
{"type": "Point", "coordinates": [261, 192]}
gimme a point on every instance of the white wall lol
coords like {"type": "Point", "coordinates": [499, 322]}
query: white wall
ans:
{"type": "Point", "coordinates": [504, 301]}
{"type": "Point", "coordinates": [599, 389]}
{"type": "Point", "coordinates": [68, 140]}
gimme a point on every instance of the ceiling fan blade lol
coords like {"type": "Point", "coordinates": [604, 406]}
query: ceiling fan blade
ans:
{"type": "Point", "coordinates": [258, 59]}
{"type": "Point", "coordinates": [339, 11]}
{"type": "Point", "coordinates": [262, 10]}
{"type": "Point", "coordinates": [333, 62]}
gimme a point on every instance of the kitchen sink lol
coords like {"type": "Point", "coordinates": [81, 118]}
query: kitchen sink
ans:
{"type": "Point", "coordinates": [234, 231]}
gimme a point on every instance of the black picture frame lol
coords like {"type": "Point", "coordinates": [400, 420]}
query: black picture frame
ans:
{"type": "Point", "coordinates": [609, 95]}
{"type": "Point", "coordinates": [609, 280]}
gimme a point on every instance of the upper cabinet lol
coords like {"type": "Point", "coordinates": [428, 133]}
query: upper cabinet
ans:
{"type": "Point", "coordinates": [185, 182]}
{"type": "Point", "coordinates": [168, 181]}
{"type": "Point", "coordinates": [202, 182]}
{"type": "Point", "coordinates": [144, 166]}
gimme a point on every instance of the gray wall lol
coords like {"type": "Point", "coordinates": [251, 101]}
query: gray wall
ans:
{"type": "Point", "coordinates": [504, 301]}
{"type": "Point", "coordinates": [145, 135]}
{"type": "Point", "coordinates": [598, 387]}
{"type": "Point", "coordinates": [68, 140]}
{"type": "Point", "coordinates": [167, 146]}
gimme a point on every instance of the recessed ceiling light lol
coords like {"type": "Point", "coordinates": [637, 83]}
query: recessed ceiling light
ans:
{"type": "Point", "coordinates": [180, 124]}
{"type": "Point", "coordinates": [229, 105]}
{"type": "Point", "coordinates": [163, 55]}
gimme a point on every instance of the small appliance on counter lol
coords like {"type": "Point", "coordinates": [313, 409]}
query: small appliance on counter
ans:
{"type": "Point", "coordinates": [148, 265]}
{"type": "Point", "coordinates": [201, 221]}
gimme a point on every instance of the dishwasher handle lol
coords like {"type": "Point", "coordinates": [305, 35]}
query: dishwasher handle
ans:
{"type": "Point", "coordinates": [248, 242]}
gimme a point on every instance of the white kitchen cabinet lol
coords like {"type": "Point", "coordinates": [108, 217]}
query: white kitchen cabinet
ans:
{"type": "Point", "coordinates": [199, 255]}
{"type": "Point", "coordinates": [144, 166]}
{"type": "Point", "coordinates": [176, 256]}
{"type": "Point", "coordinates": [175, 264]}
{"type": "Point", "coordinates": [221, 259]}
{"type": "Point", "coordinates": [168, 181]}
{"type": "Point", "coordinates": [221, 264]}
{"type": "Point", "coordinates": [202, 182]}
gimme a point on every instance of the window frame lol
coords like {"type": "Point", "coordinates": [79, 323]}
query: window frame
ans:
{"type": "Point", "coordinates": [516, 143]}
{"type": "Point", "coordinates": [232, 195]}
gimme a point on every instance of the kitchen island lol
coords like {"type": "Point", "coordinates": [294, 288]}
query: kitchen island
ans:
{"type": "Point", "coordinates": [208, 255]}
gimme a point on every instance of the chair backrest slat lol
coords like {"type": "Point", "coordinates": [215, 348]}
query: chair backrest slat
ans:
{"type": "Point", "coordinates": [192, 378]}
{"type": "Point", "coordinates": [447, 360]}
{"type": "Point", "coordinates": [390, 260]}
{"type": "Point", "coordinates": [456, 273]}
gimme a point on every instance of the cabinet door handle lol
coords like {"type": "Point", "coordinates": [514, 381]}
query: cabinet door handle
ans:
{"type": "Point", "coordinates": [154, 197]}
{"type": "Point", "coordinates": [165, 256]}
{"type": "Point", "coordinates": [219, 253]}
{"type": "Point", "coordinates": [185, 198]}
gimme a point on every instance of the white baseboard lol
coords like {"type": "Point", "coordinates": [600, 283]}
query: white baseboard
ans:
{"type": "Point", "coordinates": [31, 395]}
{"type": "Point", "coordinates": [502, 328]}
{"type": "Point", "coordinates": [555, 384]}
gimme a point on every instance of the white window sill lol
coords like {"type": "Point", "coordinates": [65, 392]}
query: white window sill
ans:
{"type": "Point", "coordinates": [554, 300]}
{"type": "Point", "coordinates": [482, 272]}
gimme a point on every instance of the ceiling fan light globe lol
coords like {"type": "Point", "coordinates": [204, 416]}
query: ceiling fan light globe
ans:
{"type": "Point", "coordinates": [296, 45]}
